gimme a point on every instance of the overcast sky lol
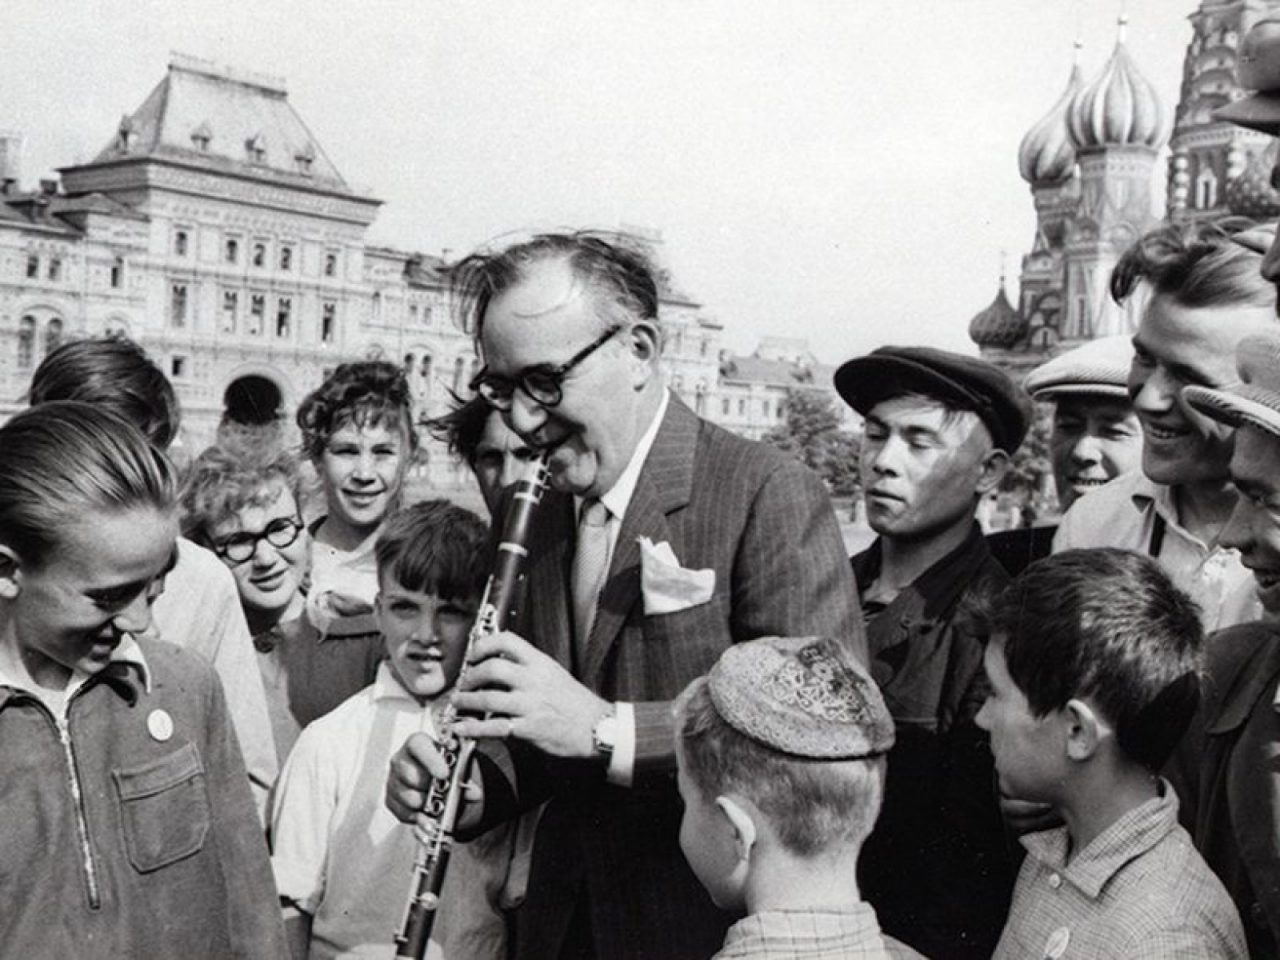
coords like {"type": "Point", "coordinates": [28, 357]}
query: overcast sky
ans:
{"type": "Point", "coordinates": [844, 171]}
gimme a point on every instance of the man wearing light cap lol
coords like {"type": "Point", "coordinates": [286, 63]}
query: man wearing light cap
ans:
{"type": "Point", "coordinates": [1204, 295]}
{"type": "Point", "coordinates": [1225, 770]}
{"type": "Point", "coordinates": [940, 429]}
{"type": "Point", "coordinates": [1095, 438]}
{"type": "Point", "coordinates": [780, 753]}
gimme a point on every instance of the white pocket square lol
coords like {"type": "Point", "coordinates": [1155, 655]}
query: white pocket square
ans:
{"type": "Point", "coordinates": [668, 587]}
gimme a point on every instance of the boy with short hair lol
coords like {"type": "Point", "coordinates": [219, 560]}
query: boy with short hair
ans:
{"type": "Point", "coordinates": [343, 863]}
{"type": "Point", "coordinates": [1093, 659]}
{"type": "Point", "coordinates": [780, 752]}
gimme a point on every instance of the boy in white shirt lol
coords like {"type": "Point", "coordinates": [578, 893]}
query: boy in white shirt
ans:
{"type": "Point", "coordinates": [343, 863]}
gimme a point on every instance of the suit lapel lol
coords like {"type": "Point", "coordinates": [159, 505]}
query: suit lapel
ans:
{"type": "Point", "coordinates": [664, 486]}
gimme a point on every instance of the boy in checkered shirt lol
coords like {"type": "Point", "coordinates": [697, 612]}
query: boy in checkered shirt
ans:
{"type": "Point", "coordinates": [1093, 658]}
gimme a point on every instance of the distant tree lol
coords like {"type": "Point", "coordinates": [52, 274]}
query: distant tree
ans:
{"type": "Point", "coordinates": [811, 433]}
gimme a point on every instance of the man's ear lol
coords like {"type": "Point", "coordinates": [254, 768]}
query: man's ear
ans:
{"type": "Point", "coordinates": [1085, 731]}
{"type": "Point", "coordinates": [644, 343]}
{"type": "Point", "coordinates": [994, 467]}
{"type": "Point", "coordinates": [10, 574]}
{"type": "Point", "coordinates": [741, 822]}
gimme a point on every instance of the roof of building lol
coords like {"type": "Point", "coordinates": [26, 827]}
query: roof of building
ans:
{"type": "Point", "coordinates": [999, 325]}
{"type": "Point", "coordinates": [1119, 107]}
{"type": "Point", "coordinates": [1047, 154]}
{"type": "Point", "coordinates": [223, 119]}
{"type": "Point", "coordinates": [755, 369]}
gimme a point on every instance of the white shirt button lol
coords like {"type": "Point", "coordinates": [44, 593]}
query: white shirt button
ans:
{"type": "Point", "coordinates": [1055, 880]}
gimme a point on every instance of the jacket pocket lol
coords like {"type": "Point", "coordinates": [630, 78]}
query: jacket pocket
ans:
{"type": "Point", "coordinates": [164, 809]}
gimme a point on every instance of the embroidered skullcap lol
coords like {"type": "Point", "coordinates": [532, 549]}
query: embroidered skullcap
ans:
{"type": "Point", "coordinates": [802, 697]}
{"type": "Point", "coordinates": [1255, 398]}
{"type": "Point", "coordinates": [1099, 368]}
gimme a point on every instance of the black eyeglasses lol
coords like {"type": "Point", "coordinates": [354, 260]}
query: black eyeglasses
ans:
{"type": "Point", "coordinates": [542, 383]}
{"type": "Point", "coordinates": [239, 547]}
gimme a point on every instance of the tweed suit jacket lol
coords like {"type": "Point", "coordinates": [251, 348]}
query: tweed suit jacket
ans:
{"type": "Point", "coordinates": [764, 524]}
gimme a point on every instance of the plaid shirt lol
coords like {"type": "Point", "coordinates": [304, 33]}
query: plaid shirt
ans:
{"type": "Point", "coordinates": [811, 935]}
{"type": "Point", "coordinates": [1139, 891]}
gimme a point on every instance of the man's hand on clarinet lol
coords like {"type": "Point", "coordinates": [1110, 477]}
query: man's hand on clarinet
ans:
{"type": "Point", "coordinates": [412, 769]}
{"type": "Point", "coordinates": [530, 696]}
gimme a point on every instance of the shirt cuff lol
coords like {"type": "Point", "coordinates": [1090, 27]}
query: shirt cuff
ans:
{"type": "Point", "coordinates": [622, 762]}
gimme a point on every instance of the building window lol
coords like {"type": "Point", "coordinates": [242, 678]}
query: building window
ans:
{"type": "Point", "coordinates": [724, 407]}
{"type": "Point", "coordinates": [413, 313]}
{"type": "Point", "coordinates": [26, 342]}
{"type": "Point", "coordinates": [177, 366]}
{"type": "Point", "coordinates": [764, 408]}
{"type": "Point", "coordinates": [742, 407]}
{"type": "Point", "coordinates": [231, 250]}
{"type": "Point", "coordinates": [52, 335]}
{"type": "Point", "coordinates": [286, 258]}
{"type": "Point", "coordinates": [117, 273]}
{"type": "Point", "coordinates": [328, 313]}
{"type": "Point", "coordinates": [426, 315]}
{"type": "Point", "coordinates": [257, 311]}
{"type": "Point", "coordinates": [284, 306]}
{"type": "Point", "coordinates": [33, 266]}
{"type": "Point", "coordinates": [1206, 189]}
{"type": "Point", "coordinates": [706, 342]}
{"type": "Point", "coordinates": [180, 242]}
{"type": "Point", "coordinates": [256, 148]}
{"type": "Point", "coordinates": [178, 305]}
{"type": "Point", "coordinates": [424, 371]}
{"type": "Point", "coordinates": [230, 308]}
{"type": "Point", "coordinates": [55, 268]}
{"type": "Point", "coordinates": [330, 264]}
{"type": "Point", "coordinates": [459, 375]}
{"type": "Point", "coordinates": [259, 254]}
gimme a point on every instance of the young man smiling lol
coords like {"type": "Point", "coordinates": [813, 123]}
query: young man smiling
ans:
{"type": "Point", "coordinates": [1205, 295]}
{"type": "Point", "coordinates": [940, 429]}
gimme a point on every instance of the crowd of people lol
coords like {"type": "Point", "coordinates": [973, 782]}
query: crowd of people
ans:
{"type": "Point", "coordinates": [706, 731]}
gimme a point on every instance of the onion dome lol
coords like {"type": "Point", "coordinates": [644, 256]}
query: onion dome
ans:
{"type": "Point", "coordinates": [1047, 154]}
{"type": "Point", "coordinates": [999, 325]}
{"type": "Point", "coordinates": [1119, 107]}
{"type": "Point", "coordinates": [1251, 194]}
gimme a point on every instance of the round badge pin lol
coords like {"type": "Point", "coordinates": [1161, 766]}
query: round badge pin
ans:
{"type": "Point", "coordinates": [159, 725]}
{"type": "Point", "coordinates": [1056, 948]}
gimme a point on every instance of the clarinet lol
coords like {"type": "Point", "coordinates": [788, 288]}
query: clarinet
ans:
{"type": "Point", "coordinates": [444, 797]}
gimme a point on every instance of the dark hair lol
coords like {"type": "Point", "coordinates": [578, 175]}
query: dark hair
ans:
{"type": "Point", "coordinates": [66, 461]}
{"type": "Point", "coordinates": [811, 804]}
{"type": "Point", "coordinates": [435, 547]}
{"type": "Point", "coordinates": [1109, 626]}
{"type": "Point", "coordinates": [365, 393]}
{"type": "Point", "coordinates": [614, 264]}
{"type": "Point", "coordinates": [112, 372]}
{"type": "Point", "coordinates": [462, 428]}
{"type": "Point", "coordinates": [225, 479]}
{"type": "Point", "coordinates": [1195, 265]}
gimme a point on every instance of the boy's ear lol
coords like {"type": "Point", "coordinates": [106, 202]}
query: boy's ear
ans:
{"type": "Point", "coordinates": [1086, 729]}
{"type": "Point", "coordinates": [10, 574]}
{"type": "Point", "coordinates": [741, 821]}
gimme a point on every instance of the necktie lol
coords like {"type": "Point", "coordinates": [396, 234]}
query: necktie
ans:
{"type": "Point", "coordinates": [590, 566]}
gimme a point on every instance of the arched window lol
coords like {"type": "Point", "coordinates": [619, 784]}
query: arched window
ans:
{"type": "Point", "coordinates": [52, 335]}
{"type": "Point", "coordinates": [26, 342]}
{"type": "Point", "coordinates": [424, 371]}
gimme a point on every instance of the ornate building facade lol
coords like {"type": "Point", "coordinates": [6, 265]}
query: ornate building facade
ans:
{"type": "Point", "coordinates": [1090, 161]}
{"type": "Point", "coordinates": [215, 231]}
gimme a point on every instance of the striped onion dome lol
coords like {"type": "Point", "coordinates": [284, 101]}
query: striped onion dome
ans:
{"type": "Point", "coordinates": [999, 325]}
{"type": "Point", "coordinates": [1119, 107]}
{"type": "Point", "coordinates": [1047, 154]}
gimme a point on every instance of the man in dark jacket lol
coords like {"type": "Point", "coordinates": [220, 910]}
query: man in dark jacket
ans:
{"type": "Point", "coordinates": [940, 429]}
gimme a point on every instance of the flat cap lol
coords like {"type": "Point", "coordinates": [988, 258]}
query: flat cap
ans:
{"type": "Point", "coordinates": [1098, 368]}
{"type": "Point", "coordinates": [1255, 398]}
{"type": "Point", "coordinates": [802, 697]}
{"type": "Point", "coordinates": [1257, 68]}
{"type": "Point", "coordinates": [960, 382]}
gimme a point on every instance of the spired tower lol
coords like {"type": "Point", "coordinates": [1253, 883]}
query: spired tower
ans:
{"type": "Point", "coordinates": [1118, 126]}
{"type": "Point", "coordinates": [1216, 167]}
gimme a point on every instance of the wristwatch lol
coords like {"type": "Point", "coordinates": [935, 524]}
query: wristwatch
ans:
{"type": "Point", "coordinates": [604, 736]}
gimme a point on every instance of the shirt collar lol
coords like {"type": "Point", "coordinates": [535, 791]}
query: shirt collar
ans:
{"type": "Point", "coordinates": [387, 687]}
{"type": "Point", "coordinates": [795, 928]}
{"type": "Point", "coordinates": [618, 497]}
{"type": "Point", "coordinates": [1146, 492]}
{"type": "Point", "coordinates": [939, 585]}
{"type": "Point", "coordinates": [1127, 839]}
{"type": "Point", "coordinates": [127, 665]}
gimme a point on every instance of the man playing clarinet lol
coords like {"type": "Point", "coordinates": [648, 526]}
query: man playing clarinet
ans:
{"type": "Point", "coordinates": [664, 540]}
